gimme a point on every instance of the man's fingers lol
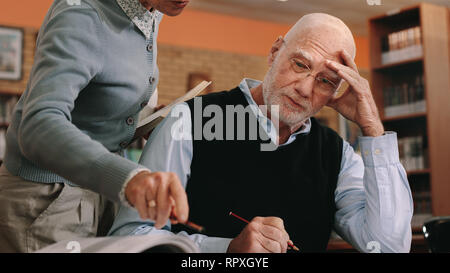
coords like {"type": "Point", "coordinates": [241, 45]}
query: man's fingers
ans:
{"type": "Point", "coordinates": [351, 78]}
{"type": "Point", "coordinates": [348, 60]}
{"type": "Point", "coordinates": [272, 228]}
{"type": "Point", "coordinates": [272, 233]}
{"type": "Point", "coordinates": [270, 245]}
{"type": "Point", "coordinates": [333, 102]}
{"type": "Point", "coordinates": [179, 195]}
{"type": "Point", "coordinates": [276, 235]}
{"type": "Point", "coordinates": [274, 221]}
{"type": "Point", "coordinates": [337, 67]}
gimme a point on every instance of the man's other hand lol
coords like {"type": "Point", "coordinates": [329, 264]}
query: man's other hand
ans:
{"type": "Point", "coordinates": [261, 235]}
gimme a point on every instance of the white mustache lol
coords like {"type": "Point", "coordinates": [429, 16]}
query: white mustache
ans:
{"type": "Point", "coordinates": [302, 103]}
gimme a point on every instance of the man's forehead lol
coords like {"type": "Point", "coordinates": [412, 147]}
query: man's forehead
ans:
{"type": "Point", "coordinates": [303, 53]}
{"type": "Point", "coordinates": [308, 53]}
{"type": "Point", "coordinates": [321, 33]}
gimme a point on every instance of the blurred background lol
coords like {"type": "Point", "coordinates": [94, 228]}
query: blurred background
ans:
{"type": "Point", "coordinates": [403, 48]}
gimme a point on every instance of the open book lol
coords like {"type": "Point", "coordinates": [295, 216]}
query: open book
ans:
{"type": "Point", "coordinates": [147, 124]}
{"type": "Point", "coordinates": [152, 243]}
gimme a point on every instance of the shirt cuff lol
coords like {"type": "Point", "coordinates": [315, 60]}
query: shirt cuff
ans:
{"type": "Point", "coordinates": [133, 173]}
{"type": "Point", "coordinates": [379, 151]}
{"type": "Point", "coordinates": [214, 245]}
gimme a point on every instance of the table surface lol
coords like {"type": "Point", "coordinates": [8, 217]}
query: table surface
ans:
{"type": "Point", "coordinates": [418, 245]}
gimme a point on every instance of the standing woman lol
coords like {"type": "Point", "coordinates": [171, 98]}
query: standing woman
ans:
{"type": "Point", "coordinates": [94, 71]}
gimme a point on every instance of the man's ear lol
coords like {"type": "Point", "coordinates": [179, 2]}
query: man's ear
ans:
{"type": "Point", "coordinates": [274, 49]}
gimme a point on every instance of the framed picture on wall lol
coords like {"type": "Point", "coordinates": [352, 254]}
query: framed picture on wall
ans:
{"type": "Point", "coordinates": [11, 53]}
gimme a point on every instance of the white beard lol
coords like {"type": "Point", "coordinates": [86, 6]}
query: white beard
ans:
{"type": "Point", "coordinates": [288, 114]}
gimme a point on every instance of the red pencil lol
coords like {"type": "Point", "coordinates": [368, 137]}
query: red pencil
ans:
{"type": "Point", "coordinates": [242, 219]}
{"type": "Point", "coordinates": [188, 223]}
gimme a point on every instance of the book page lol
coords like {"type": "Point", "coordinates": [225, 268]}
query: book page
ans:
{"type": "Point", "coordinates": [125, 244]}
{"type": "Point", "coordinates": [146, 125]}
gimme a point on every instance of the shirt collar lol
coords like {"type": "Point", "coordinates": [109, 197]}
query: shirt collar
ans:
{"type": "Point", "coordinates": [245, 86]}
{"type": "Point", "coordinates": [139, 15]}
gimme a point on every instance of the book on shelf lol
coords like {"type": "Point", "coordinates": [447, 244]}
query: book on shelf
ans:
{"type": "Point", "coordinates": [413, 155]}
{"type": "Point", "coordinates": [401, 45]}
{"type": "Point", "coordinates": [149, 122]}
{"type": "Point", "coordinates": [405, 98]}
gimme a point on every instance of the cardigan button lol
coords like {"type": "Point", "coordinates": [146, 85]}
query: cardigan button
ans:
{"type": "Point", "coordinates": [151, 80]}
{"type": "Point", "coordinates": [130, 121]}
{"type": "Point", "coordinates": [149, 47]}
{"type": "Point", "coordinates": [124, 144]}
{"type": "Point", "coordinates": [143, 104]}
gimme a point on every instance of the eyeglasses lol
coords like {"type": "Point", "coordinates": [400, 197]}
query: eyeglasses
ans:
{"type": "Point", "coordinates": [324, 85]}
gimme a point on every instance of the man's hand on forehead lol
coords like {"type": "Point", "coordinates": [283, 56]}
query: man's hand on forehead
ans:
{"type": "Point", "coordinates": [356, 103]}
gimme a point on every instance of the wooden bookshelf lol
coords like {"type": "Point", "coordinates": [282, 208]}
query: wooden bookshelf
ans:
{"type": "Point", "coordinates": [398, 64]}
{"type": "Point", "coordinates": [419, 172]}
{"type": "Point", "coordinates": [404, 117]}
{"type": "Point", "coordinates": [434, 123]}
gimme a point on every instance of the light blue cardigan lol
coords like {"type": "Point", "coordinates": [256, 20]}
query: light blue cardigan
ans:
{"type": "Point", "coordinates": [93, 72]}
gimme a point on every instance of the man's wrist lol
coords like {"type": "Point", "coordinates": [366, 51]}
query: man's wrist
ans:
{"type": "Point", "coordinates": [379, 151]}
{"type": "Point", "coordinates": [373, 131]}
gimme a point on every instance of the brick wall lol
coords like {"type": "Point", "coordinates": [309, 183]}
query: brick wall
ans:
{"type": "Point", "coordinates": [226, 70]}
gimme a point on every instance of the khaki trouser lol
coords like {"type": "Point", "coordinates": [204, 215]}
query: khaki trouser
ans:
{"type": "Point", "coordinates": [34, 215]}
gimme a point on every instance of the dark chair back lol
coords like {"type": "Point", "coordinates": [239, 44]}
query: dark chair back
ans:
{"type": "Point", "coordinates": [437, 233]}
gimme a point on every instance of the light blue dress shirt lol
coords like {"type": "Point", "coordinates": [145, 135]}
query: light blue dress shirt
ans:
{"type": "Point", "coordinates": [373, 198]}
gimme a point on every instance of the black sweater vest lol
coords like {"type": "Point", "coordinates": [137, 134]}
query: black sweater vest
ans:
{"type": "Point", "coordinates": [296, 182]}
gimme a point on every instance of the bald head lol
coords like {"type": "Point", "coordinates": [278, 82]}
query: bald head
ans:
{"type": "Point", "coordinates": [329, 31]}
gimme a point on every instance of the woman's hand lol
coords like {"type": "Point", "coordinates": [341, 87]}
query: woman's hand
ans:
{"type": "Point", "coordinates": [155, 194]}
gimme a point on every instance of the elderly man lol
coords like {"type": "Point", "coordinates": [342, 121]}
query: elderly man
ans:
{"type": "Point", "coordinates": [94, 71]}
{"type": "Point", "coordinates": [312, 182]}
